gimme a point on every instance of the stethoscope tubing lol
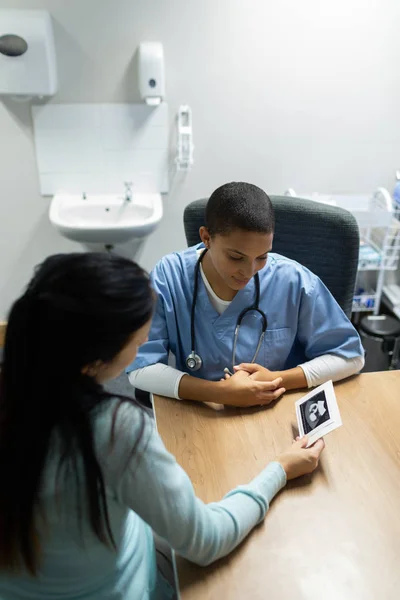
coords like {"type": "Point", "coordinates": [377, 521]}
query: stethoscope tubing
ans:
{"type": "Point", "coordinates": [194, 361]}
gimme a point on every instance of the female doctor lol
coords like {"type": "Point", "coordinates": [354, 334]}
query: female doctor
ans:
{"type": "Point", "coordinates": [230, 305]}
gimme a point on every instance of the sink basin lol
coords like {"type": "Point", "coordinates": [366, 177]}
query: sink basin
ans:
{"type": "Point", "coordinates": [105, 218]}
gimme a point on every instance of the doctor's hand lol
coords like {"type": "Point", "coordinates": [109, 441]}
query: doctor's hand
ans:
{"type": "Point", "coordinates": [257, 372]}
{"type": "Point", "coordinates": [242, 390]}
{"type": "Point", "coordinates": [291, 378]}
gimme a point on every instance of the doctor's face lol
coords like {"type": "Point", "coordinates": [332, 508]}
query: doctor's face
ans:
{"type": "Point", "coordinates": [237, 256]}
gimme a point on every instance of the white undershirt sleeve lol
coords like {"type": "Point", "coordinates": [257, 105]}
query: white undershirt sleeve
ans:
{"type": "Point", "coordinates": [162, 380]}
{"type": "Point", "coordinates": [158, 379]}
{"type": "Point", "coordinates": [330, 366]}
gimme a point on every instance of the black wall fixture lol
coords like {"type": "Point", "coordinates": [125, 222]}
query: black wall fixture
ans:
{"type": "Point", "coordinates": [12, 45]}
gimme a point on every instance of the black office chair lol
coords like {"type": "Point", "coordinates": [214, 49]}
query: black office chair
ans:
{"type": "Point", "coordinates": [323, 238]}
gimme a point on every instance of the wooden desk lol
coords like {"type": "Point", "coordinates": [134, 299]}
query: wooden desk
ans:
{"type": "Point", "coordinates": [332, 536]}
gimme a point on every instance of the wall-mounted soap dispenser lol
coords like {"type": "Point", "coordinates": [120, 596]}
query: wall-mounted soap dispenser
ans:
{"type": "Point", "coordinates": [27, 54]}
{"type": "Point", "coordinates": [151, 72]}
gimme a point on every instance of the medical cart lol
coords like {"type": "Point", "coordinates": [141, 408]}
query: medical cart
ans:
{"type": "Point", "coordinates": [378, 219]}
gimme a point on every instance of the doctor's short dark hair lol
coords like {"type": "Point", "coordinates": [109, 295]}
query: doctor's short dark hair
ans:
{"type": "Point", "coordinates": [239, 205]}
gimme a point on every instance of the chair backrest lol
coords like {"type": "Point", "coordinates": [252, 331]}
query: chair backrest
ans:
{"type": "Point", "coordinates": [323, 238]}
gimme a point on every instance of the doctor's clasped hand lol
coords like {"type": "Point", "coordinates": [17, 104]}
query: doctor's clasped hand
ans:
{"type": "Point", "coordinates": [292, 378]}
{"type": "Point", "coordinates": [242, 389]}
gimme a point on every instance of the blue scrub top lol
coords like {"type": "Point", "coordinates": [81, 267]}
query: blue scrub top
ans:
{"type": "Point", "coordinates": [304, 320]}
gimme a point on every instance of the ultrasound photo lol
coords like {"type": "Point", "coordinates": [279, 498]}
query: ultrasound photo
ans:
{"type": "Point", "coordinates": [314, 412]}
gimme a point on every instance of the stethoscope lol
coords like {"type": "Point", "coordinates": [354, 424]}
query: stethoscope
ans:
{"type": "Point", "coordinates": [194, 361]}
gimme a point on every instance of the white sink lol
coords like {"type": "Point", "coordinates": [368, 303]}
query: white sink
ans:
{"type": "Point", "coordinates": [107, 218]}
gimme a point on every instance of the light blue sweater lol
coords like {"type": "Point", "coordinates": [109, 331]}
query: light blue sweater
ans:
{"type": "Point", "coordinates": [146, 489]}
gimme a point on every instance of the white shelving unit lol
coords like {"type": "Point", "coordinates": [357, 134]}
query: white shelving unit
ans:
{"type": "Point", "coordinates": [379, 224]}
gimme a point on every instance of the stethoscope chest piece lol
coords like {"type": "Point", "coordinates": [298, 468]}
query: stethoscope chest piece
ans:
{"type": "Point", "coordinates": [194, 362]}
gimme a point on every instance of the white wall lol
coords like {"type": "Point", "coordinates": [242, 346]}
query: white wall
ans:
{"type": "Point", "coordinates": [302, 94]}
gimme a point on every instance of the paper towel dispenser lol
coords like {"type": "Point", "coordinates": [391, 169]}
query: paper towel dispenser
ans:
{"type": "Point", "coordinates": [27, 53]}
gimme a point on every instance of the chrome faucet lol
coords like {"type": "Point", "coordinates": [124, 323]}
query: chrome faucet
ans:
{"type": "Point", "coordinates": [128, 191]}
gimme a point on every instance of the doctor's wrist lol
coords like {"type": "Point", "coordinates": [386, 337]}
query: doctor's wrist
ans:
{"type": "Point", "coordinates": [292, 379]}
{"type": "Point", "coordinates": [200, 390]}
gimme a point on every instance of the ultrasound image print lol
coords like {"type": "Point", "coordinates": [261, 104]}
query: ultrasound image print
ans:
{"type": "Point", "coordinates": [314, 412]}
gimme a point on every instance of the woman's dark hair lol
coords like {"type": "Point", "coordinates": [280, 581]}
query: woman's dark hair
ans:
{"type": "Point", "coordinates": [239, 205]}
{"type": "Point", "coordinates": [77, 309]}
